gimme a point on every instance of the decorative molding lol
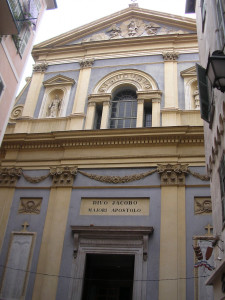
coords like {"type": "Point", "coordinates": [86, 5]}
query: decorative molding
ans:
{"type": "Point", "coordinates": [202, 205]}
{"type": "Point", "coordinates": [132, 28]}
{"type": "Point", "coordinates": [35, 179]}
{"type": "Point", "coordinates": [40, 67]}
{"type": "Point", "coordinates": [127, 234]}
{"type": "Point", "coordinates": [82, 140]}
{"type": "Point", "coordinates": [16, 112]}
{"type": "Point", "coordinates": [30, 206]}
{"type": "Point", "coordinates": [170, 56]}
{"type": "Point", "coordinates": [9, 176]}
{"type": "Point", "coordinates": [86, 63]}
{"type": "Point", "coordinates": [63, 176]}
{"type": "Point", "coordinates": [198, 175]}
{"type": "Point", "coordinates": [140, 80]}
{"type": "Point", "coordinates": [58, 80]}
{"type": "Point", "coordinates": [172, 174]}
{"type": "Point", "coordinates": [117, 179]}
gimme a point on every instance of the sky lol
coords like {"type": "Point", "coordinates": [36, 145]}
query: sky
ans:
{"type": "Point", "coordinates": [71, 14]}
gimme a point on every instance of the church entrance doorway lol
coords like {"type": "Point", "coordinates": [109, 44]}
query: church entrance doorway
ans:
{"type": "Point", "coordinates": [108, 277]}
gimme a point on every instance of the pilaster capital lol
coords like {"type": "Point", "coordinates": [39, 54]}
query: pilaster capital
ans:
{"type": "Point", "coordinates": [99, 98]}
{"type": "Point", "coordinates": [106, 103]}
{"type": "Point", "coordinates": [172, 174]}
{"type": "Point", "coordinates": [86, 63]}
{"type": "Point", "coordinates": [63, 176]}
{"type": "Point", "coordinates": [91, 104]}
{"type": "Point", "coordinates": [140, 101]}
{"type": "Point", "coordinates": [9, 176]}
{"type": "Point", "coordinates": [156, 100]}
{"type": "Point", "coordinates": [170, 56]}
{"type": "Point", "coordinates": [40, 67]}
{"type": "Point", "coordinates": [149, 96]}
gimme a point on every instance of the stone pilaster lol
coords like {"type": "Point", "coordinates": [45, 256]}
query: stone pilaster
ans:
{"type": "Point", "coordinates": [172, 232]}
{"type": "Point", "coordinates": [34, 90]}
{"type": "Point", "coordinates": [170, 75]}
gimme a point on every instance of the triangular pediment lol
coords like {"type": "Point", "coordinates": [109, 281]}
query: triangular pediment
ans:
{"type": "Point", "coordinates": [132, 22]}
{"type": "Point", "coordinates": [59, 80]}
{"type": "Point", "coordinates": [190, 72]}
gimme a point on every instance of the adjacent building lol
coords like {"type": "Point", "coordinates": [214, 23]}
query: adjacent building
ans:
{"type": "Point", "coordinates": [19, 20]}
{"type": "Point", "coordinates": [104, 191]}
{"type": "Point", "coordinates": [211, 34]}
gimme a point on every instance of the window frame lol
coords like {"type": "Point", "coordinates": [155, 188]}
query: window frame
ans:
{"type": "Point", "coordinates": [120, 107]}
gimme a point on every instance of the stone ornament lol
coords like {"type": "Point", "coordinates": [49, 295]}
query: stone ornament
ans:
{"type": "Point", "coordinates": [114, 31]}
{"type": "Point", "coordinates": [172, 174]}
{"type": "Point", "coordinates": [63, 176]}
{"type": "Point", "coordinates": [54, 107]}
{"type": "Point", "coordinates": [117, 179]}
{"type": "Point", "coordinates": [202, 205]}
{"type": "Point", "coordinates": [196, 99]}
{"type": "Point", "coordinates": [30, 206]}
{"type": "Point", "coordinates": [132, 28]}
{"type": "Point", "coordinates": [86, 63]}
{"type": "Point", "coordinates": [170, 56]}
{"type": "Point", "coordinates": [125, 76]}
{"type": "Point", "coordinates": [40, 67]}
{"type": "Point", "coordinates": [16, 112]}
{"type": "Point", "coordinates": [9, 176]}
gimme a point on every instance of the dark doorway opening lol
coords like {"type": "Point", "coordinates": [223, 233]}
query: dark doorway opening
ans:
{"type": "Point", "coordinates": [108, 277]}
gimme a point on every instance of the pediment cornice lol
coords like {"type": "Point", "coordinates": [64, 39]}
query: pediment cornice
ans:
{"type": "Point", "coordinates": [58, 80]}
{"type": "Point", "coordinates": [121, 16]}
{"type": "Point", "coordinates": [190, 72]}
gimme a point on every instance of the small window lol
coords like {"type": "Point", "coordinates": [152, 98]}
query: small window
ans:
{"type": "Point", "coordinates": [148, 115]}
{"type": "Point", "coordinates": [222, 184]}
{"type": "Point", "coordinates": [124, 110]}
{"type": "Point", "coordinates": [98, 117]}
{"type": "Point", "coordinates": [1, 86]}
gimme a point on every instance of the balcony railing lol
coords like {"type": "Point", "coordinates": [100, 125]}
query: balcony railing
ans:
{"type": "Point", "coordinates": [17, 12]}
{"type": "Point", "coordinates": [11, 17]}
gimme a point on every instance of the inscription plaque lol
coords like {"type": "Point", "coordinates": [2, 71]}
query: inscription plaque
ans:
{"type": "Point", "coordinates": [115, 206]}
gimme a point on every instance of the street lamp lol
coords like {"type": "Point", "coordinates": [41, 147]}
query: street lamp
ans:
{"type": "Point", "coordinates": [216, 70]}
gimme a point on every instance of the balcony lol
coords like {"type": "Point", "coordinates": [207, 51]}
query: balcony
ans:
{"type": "Point", "coordinates": [11, 17]}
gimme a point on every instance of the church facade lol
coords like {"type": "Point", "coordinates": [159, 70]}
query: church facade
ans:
{"type": "Point", "coordinates": [103, 185]}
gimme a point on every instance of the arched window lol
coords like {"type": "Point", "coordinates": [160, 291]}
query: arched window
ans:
{"type": "Point", "coordinates": [124, 109]}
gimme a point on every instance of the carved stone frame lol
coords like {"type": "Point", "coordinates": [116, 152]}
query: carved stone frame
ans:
{"type": "Point", "coordinates": [110, 240]}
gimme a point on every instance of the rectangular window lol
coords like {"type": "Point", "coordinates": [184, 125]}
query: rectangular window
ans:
{"type": "Point", "coordinates": [222, 184]}
{"type": "Point", "coordinates": [1, 86]}
{"type": "Point", "coordinates": [148, 115]}
{"type": "Point", "coordinates": [98, 117]}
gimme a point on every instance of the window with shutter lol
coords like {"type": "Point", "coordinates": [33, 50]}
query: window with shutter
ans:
{"type": "Point", "coordinates": [221, 21]}
{"type": "Point", "coordinates": [1, 86]}
{"type": "Point", "coordinates": [222, 184]}
{"type": "Point", "coordinates": [24, 40]}
{"type": "Point", "coordinates": [205, 102]}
